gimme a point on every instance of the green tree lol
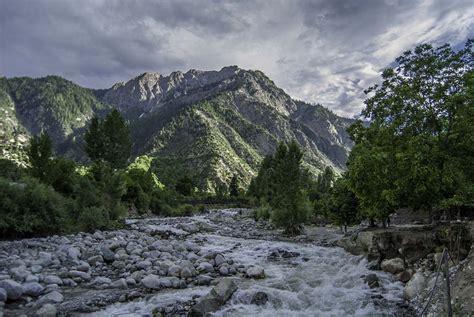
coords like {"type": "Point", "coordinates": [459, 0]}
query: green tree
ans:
{"type": "Point", "coordinates": [40, 154]}
{"type": "Point", "coordinates": [117, 143]}
{"type": "Point", "coordinates": [414, 151]}
{"type": "Point", "coordinates": [234, 187]}
{"type": "Point", "coordinates": [95, 139]}
{"type": "Point", "coordinates": [184, 186]}
{"type": "Point", "coordinates": [109, 140]}
{"type": "Point", "coordinates": [289, 203]}
{"type": "Point", "coordinates": [341, 204]}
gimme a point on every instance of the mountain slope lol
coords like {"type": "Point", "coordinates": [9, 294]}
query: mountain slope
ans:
{"type": "Point", "coordinates": [214, 124]}
{"type": "Point", "coordinates": [222, 123]}
{"type": "Point", "coordinates": [51, 104]}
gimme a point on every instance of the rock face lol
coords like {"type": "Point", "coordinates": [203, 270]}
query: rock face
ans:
{"type": "Point", "coordinates": [232, 117]}
{"type": "Point", "coordinates": [408, 243]}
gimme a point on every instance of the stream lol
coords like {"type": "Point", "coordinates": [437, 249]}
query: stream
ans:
{"type": "Point", "coordinates": [310, 280]}
{"type": "Point", "coordinates": [140, 270]}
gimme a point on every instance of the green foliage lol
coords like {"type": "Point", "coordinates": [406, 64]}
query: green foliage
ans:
{"type": "Point", "coordinates": [263, 212]}
{"type": "Point", "coordinates": [417, 151]}
{"type": "Point", "coordinates": [234, 189]}
{"type": "Point", "coordinates": [31, 208]}
{"type": "Point", "coordinates": [184, 186]}
{"type": "Point", "coordinates": [341, 204]}
{"type": "Point", "coordinates": [92, 218]}
{"type": "Point", "coordinates": [279, 184]}
{"type": "Point", "coordinates": [109, 140]}
{"type": "Point", "coordinates": [40, 153]}
{"type": "Point", "coordinates": [10, 170]}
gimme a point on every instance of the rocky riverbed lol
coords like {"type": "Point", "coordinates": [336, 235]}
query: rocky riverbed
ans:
{"type": "Point", "coordinates": [222, 261]}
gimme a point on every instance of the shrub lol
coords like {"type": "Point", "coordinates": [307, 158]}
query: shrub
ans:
{"type": "Point", "coordinates": [30, 208]}
{"type": "Point", "coordinates": [91, 218]}
{"type": "Point", "coordinates": [263, 212]}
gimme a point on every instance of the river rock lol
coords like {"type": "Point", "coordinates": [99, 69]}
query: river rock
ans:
{"type": "Point", "coordinates": [48, 310]}
{"type": "Point", "coordinates": [219, 259]}
{"type": "Point", "coordinates": [404, 276]}
{"type": "Point", "coordinates": [393, 266]}
{"type": "Point", "coordinates": [19, 273]}
{"type": "Point", "coordinates": [95, 259]}
{"type": "Point", "coordinates": [36, 268]}
{"type": "Point", "coordinates": [83, 275]}
{"type": "Point", "coordinates": [14, 290]}
{"type": "Point", "coordinates": [143, 265]}
{"type": "Point", "coordinates": [3, 295]}
{"type": "Point", "coordinates": [52, 297]}
{"type": "Point", "coordinates": [414, 286]}
{"type": "Point", "coordinates": [205, 267]}
{"type": "Point", "coordinates": [223, 270]}
{"type": "Point", "coordinates": [74, 253]}
{"type": "Point", "coordinates": [107, 253]}
{"type": "Point", "coordinates": [255, 272]}
{"type": "Point", "coordinates": [83, 266]}
{"type": "Point", "coordinates": [52, 279]}
{"type": "Point", "coordinates": [33, 289]}
{"type": "Point", "coordinates": [152, 281]}
{"type": "Point", "coordinates": [45, 259]}
{"type": "Point", "coordinates": [119, 284]}
{"type": "Point", "coordinates": [223, 290]}
{"type": "Point", "coordinates": [372, 280]}
{"type": "Point", "coordinates": [174, 270]}
{"type": "Point", "coordinates": [101, 280]}
{"type": "Point", "coordinates": [203, 280]}
{"type": "Point", "coordinates": [217, 297]}
{"type": "Point", "coordinates": [186, 273]}
{"type": "Point", "coordinates": [259, 298]}
{"type": "Point", "coordinates": [119, 265]}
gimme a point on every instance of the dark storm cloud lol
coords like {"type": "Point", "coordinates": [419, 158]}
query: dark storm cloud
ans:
{"type": "Point", "coordinates": [319, 51]}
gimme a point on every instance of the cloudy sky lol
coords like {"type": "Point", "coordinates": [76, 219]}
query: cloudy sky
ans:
{"type": "Point", "coordinates": [325, 51]}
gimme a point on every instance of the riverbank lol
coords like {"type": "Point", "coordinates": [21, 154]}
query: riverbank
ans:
{"type": "Point", "coordinates": [169, 265]}
{"type": "Point", "coordinates": [413, 252]}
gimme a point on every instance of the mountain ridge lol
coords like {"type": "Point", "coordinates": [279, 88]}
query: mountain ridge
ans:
{"type": "Point", "coordinates": [215, 123]}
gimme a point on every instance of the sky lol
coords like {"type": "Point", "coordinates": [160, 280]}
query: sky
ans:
{"type": "Point", "coordinates": [325, 51]}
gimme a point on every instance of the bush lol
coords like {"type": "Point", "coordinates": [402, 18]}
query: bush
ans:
{"type": "Point", "coordinates": [263, 212]}
{"type": "Point", "coordinates": [30, 208]}
{"type": "Point", "coordinates": [91, 218]}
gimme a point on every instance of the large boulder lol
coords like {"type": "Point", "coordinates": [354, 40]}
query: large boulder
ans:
{"type": "Point", "coordinates": [216, 298]}
{"type": "Point", "coordinates": [14, 290]}
{"type": "Point", "coordinates": [414, 286]}
{"type": "Point", "coordinates": [223, 290]}
{"type": "Point", "coordinates": [394, 266]}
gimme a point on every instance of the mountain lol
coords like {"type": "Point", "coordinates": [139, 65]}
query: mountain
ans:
{"type": "Point", "coordinates": [212, 124]}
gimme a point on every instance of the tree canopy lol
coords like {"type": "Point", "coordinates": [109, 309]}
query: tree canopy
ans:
{"type": "Point", "coordinates": [417, 150]}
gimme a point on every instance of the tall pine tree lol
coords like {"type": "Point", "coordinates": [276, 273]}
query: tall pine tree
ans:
{"type": "Point", "coordinates": [109, 140]}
